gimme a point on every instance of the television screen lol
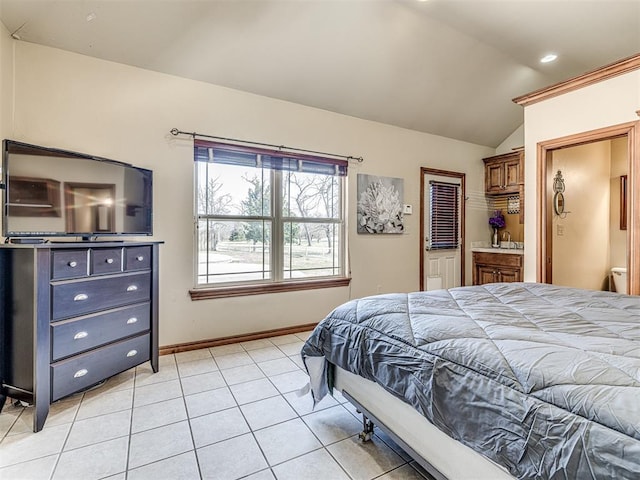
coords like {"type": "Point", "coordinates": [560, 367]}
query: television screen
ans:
{"type": "Point", "coordinates": [50, 193]}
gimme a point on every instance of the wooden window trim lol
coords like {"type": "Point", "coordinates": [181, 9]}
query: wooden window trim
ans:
{"type": "Point", "coordinates": [244, 290]}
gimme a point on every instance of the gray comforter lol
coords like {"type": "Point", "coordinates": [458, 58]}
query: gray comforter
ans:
{"type": "Point", "coordinates": [543, 380]}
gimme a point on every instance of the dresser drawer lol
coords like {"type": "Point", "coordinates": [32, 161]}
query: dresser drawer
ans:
{"type": "Point", "coordinates": [106, 260]}
{"type": "Point", "coordinates": [71, 337]}
{"type": "Point", "coordinates": [84, 370]}
{"type": "Point", "coordinates": [137, 258]}
{"type": "Point", "coordinates": [69, 264]}
{"type": "Point", "coordinates": [70, 299]}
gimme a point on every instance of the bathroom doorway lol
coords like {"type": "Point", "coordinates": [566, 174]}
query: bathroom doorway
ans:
{"type": "Point", "coordinates": [581, 235]}
{"type": "Point", "coordinates": [586, 239]}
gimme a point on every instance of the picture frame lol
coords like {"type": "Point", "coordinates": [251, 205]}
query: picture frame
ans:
{"type": "Point", "coordinates": [380, 204]}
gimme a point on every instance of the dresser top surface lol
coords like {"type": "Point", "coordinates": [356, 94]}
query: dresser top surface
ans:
{"type": "Point", "coordinates": [63, 245]}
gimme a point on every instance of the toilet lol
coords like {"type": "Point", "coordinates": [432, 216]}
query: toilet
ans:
{"type": "Point", "coordinates": [619, 275]}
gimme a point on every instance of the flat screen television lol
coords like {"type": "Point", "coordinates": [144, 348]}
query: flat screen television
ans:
{"type": "Point", "coordinates": [49, 192]}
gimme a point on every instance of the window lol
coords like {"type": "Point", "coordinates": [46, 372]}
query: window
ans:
{"type": "Point", "coordinates": [444, 215]}
{"type": "Point", "coordinates": [265, 217]}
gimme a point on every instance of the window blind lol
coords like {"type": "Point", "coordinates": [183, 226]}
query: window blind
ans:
{"type": "Point", "coordinates": [263, 158]}
{"type": "Point", "coordinates": [444, 215]}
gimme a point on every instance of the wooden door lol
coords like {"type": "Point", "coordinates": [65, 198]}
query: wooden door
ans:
{"type": "Point", "coordinates": [441, 268]}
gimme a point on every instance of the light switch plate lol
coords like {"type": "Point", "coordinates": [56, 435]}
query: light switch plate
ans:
{"type": "Point", "coordinates": [407, 210]}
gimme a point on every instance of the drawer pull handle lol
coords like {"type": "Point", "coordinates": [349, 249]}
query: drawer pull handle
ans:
{"type": "Point", "coordinates": [139, 258]}
{"type": "Point", "coordinates": [73, 264]}
{"type": "Point", "coordinates": [80, 297]}
{"type": "Point", "coordinates": [80, 373]}
{"type": "Point", "coordinates": [80, 335]}
{"type": "Point", "coordinates": [132, 288]}
{"type": "Point", "coordinates": [132, 353]}
{"type": "Point", "coordinates": [109, 260]}
{"type": "Point", "coordinates": [132, 320]}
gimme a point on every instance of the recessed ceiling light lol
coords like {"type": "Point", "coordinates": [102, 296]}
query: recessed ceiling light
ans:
{"type": "Point", "coordinates": [91, 16]}
{"type": "Point", "coordinates": [550, 57]}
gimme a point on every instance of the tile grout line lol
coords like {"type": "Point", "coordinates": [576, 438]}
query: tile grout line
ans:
{"type": "Point", "coordinates": [66, 440]}
{"type": "Point", "coordinates": [133, 402]}
{"type": "Point", "coordinates": [255, 439]}
{"type": "Point", "coordinates": [184, 401]}
{"type": "Point", "coordinates": [297, 415]}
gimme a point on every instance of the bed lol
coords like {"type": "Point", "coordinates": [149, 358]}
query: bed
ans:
{"type": "Point", "coordinates": [507, 380]}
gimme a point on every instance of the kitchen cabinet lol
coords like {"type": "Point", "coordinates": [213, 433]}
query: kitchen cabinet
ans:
{"type": "Point", "coordinates": [496, 267]}
{"type": "Point", "coordinates": [503, 174]}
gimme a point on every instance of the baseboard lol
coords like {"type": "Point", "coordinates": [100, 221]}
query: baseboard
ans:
{"type": "Point", "coordinates": [216, 342]}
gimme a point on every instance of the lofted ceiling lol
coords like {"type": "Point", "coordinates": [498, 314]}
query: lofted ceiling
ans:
{"type": "Point", "coordinates": [446, 67]}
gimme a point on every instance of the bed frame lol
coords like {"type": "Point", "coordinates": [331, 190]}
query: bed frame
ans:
{"type": "Point", "coordinates": [440, 455]}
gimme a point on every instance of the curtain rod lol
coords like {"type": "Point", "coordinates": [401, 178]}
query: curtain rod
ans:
{"type": "Point", "coordinates": [176, 132]}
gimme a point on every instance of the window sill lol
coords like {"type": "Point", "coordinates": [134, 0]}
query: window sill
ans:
{"type": "Point", "coordinates": [243, 290]}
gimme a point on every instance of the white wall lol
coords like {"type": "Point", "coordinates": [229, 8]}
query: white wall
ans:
{"type": "Point", "coordinates": [600, 105]}
{"type": "Point", "coordinates": [515, 140]}
{"type": "Point", "coordinates": [6, 75]}
{"type": "Point", "coordinates": [74, 102]}
{"type": "Point", "coordinates": [6, 88]}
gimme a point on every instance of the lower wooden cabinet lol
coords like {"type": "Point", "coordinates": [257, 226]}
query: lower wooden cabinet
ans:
{"type": "Point", "coordinates": [496, 267]}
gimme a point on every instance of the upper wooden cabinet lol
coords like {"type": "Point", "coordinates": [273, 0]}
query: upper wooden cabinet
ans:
{"type": "Point", "coordinates": [503, 174]}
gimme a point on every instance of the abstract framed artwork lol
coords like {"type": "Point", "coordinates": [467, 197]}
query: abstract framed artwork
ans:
{"type": "Point", "coordinates": [379, 206]}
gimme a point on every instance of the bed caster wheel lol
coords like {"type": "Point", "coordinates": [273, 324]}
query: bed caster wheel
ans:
{"type": "Point", "coordinates": [367, 430]}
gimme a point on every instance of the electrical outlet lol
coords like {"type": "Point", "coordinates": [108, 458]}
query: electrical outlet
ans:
{"type": "Point", "coordinates": [560, 230]}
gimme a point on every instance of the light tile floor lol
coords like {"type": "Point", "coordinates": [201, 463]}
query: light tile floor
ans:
{"type": "Point", "coordinates": [223, 413]}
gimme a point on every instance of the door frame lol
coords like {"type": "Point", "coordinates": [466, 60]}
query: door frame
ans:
{"type": "Point", "coordinates": [544, 216]}
{"type": "Point", "coordinates": [443, 173]}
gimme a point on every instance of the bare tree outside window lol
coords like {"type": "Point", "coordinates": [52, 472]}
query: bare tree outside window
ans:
{"type": "Point", "coordinates": [213, 200]}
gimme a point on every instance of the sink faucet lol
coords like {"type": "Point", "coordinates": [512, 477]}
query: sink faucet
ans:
{"type": "Point", "coordinates": [508, 233]}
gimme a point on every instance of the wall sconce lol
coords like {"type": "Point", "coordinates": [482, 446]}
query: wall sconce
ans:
{"type": "Point", "coordinates": [558, 196]}
{"type": "Point", "coordinates": [623, 202]}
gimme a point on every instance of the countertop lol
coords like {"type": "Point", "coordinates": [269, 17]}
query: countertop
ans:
{"type": "Point", "coordinates": [512, 251]}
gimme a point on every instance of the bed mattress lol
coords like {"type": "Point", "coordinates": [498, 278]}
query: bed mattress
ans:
{"type": "Point", "coordinates": [541, 379]}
